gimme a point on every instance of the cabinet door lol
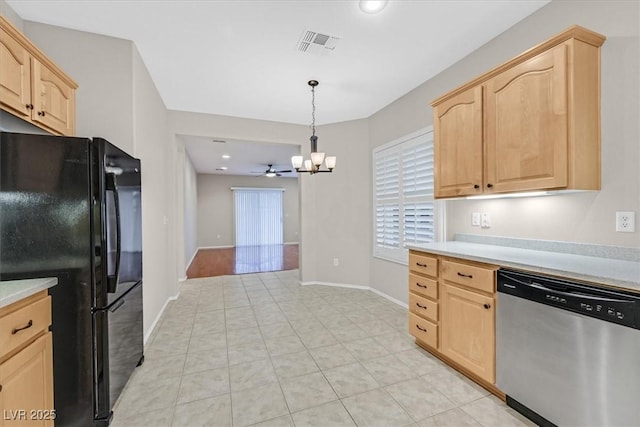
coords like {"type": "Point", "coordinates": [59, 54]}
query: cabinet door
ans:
{"type": "Point", "coordinates": [468, 330]}
{"type": "Point", "coordinates": [15, 76]}
{"type": "Point", "coordinates": [527, 134]}
{"type": "Point", "coordinates": [458, 144]}
{"type": "Point", "coordinates": [26, 396]}
{"type": "Point", "coordinates": [53, 100]}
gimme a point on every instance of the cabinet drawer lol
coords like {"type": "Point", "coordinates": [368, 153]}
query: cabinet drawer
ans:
{"type": "Point", "coordinates": [423, 264]}
{"type": "Point", "coordinates": [423, 286]}
{"type": "Point", "coordinates": [423, 307]}
{"type": "Point", "coordinates": [20, 326]}
{"type": "Point", "coordinates": [480, 278]}
{"type": "Point", "coordinates": [424, 330]}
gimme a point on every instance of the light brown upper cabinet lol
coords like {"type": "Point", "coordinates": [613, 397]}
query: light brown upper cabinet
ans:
{"type": "Point", "coordinates": [32, 87]}
{"type": "Point", "coordinates": [532, 123]}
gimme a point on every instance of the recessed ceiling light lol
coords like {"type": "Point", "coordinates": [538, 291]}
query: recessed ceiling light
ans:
{"type": "Point", "coordinates": [226, 156]}
{"type": "Point", "coordinates": [372, 6]}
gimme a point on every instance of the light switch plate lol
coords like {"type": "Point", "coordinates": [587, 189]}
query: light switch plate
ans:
{"type": "Point", "coordinates": [485, 220]}
{"type": "Point", "coordinates": [475, 219]}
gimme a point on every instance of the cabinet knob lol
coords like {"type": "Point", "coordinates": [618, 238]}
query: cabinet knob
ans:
{"type": "Point", "coordinates": [41, 113]}
{"type": "Point", "coordinates": [476, 186]}
{"type": "Point", "coordinates": [487, 306]}
{"type": "Point", "coordinates": [29, 106]}
{"type": "Point", "coordinates": [489, 185]}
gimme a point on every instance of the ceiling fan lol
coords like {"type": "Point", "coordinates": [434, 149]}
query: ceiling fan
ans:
{"type": "Point", "coordinates": [271, 172]}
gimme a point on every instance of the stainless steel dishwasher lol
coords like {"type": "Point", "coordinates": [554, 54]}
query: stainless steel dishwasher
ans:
{"type": "Point", "coordinates": [568, 353]}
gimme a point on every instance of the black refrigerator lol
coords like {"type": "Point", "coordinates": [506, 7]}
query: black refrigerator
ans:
{"type": "Point", "coordinates": [71, 208]}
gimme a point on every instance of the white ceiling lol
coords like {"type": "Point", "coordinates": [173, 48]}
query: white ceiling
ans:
{"type": "Point", "coordinates": [245, 157]}
{"type": "Point", "coordinates": [240, 58]}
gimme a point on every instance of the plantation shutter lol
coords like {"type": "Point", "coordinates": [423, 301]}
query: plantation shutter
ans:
{"type": "Point", "coordinates": [404, 208]}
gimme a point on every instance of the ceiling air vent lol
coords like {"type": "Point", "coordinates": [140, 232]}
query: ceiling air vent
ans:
{"type": "Point", "coordinates": [317, 43]}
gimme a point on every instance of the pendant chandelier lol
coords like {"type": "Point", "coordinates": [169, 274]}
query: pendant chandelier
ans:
{"type": "Point", "coordinates": [314, 164]}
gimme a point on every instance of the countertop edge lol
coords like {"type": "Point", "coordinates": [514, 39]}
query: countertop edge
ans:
{"type": "Point", "coordinates": [12, 291]}
{"type": "Point", "coordinates": [532, 267]}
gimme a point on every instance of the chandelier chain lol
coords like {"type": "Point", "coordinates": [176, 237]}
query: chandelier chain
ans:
{"type": "Point", "coordinates": [313, 110]}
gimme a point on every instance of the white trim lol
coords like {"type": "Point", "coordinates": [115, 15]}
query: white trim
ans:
{"type": "Point", "coordinates": [360, 287]}
{"type": "Point", "coordinates": [337, 285]}
{"type": "Point", "coordinates": [258, 189]}
{"type": "Point", "coordinates": [215, 247]}
{"type": "Point", "coordinates": [291, 243]}
{"type": "Point", "coordinates": [157, 319]}
{"type": "Point", "coordinates": [389, 297]}
{"type": "Point", "coordinates": [182, 279]}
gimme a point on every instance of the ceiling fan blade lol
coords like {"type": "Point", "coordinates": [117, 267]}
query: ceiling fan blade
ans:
{"type": "Point", "coordinates": [284, 171]}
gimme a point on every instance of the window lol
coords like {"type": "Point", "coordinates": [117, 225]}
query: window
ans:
{"type": "Point", "coordinates": [404, 209]}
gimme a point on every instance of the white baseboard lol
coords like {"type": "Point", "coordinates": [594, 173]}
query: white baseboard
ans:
{"type": "Point", "coordinates": [389, 297]}
{"type": "Point", "coordinates": [157, 319]}
{"type": "Point", "coordinates": [182, 279]}
{"type": "Point", "coordinates": [361, 287]}
{"type": "Point", "coordinates": [214, 247]}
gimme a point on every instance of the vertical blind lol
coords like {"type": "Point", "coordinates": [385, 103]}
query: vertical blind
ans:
{"type": "Point", "coordinates": [404, 208]}
{"type": "Point", "coordinates": [258, 216]}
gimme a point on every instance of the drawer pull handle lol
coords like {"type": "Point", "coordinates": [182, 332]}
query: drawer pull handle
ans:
{"type": "Point", "coordinates": [421, 265]}
{"type": "Point", "coordinates": [421, 286]}
{"type": "Point", "coordinates": [421, 306]}
{"type": "Point", "coordinates": [468, 276]}
{"type": "Point", "coordinates": [16, 330]}
{"type": "Point", "coordinates": [418, 326]}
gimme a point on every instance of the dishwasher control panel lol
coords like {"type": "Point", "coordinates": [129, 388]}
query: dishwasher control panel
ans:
{"type": "Point", "coordinates": [610, 305]}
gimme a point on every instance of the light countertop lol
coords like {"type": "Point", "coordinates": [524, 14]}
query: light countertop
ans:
{"type": "Point", "coordinates": [14, 290]}
{"type": "Point", "coordinates": [605, 271]}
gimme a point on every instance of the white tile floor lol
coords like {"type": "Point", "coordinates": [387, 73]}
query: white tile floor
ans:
{"type": "Point", "coordinates": [259, 349]}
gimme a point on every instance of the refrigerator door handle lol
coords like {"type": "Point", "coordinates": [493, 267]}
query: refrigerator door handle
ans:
{"type": "Point", "coordinates": [112, 281]}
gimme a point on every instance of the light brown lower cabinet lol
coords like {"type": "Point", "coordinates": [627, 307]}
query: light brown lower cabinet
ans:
{"type": "Point", "coordinates": [468, 330]}
{"type": "Point", "coordinates": [452, 313]}
{"type": "Point", "coordinates": [26, 363]}
{"type": "Point", "coordinates": [26, 398]}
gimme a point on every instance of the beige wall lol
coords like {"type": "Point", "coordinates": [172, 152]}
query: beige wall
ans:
{"type": "Point", "coordinates": [117, 100]}
{"type": "Point", "coordinates": [334, 221]}
{"type": "Point", "coordinates": [586, 217]}
{"type": "Point", "coordinates": [8, 12]}
{"type": "Point", "coordinates": [216, 207]}
{"type": "Point", "coordinates": [190, 207]}
{"type": "Point", "coordinates": [102, 66]}
{"type": "Point", "coordinates": [153, 145]}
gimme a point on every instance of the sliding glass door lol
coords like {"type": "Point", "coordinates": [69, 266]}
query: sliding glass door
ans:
{"type": "Point", "coordinates": [258, 216]}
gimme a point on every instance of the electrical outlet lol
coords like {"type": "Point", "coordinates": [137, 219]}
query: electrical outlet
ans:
{"type": "Point", "coordinates": [336, 262]}
{"type": "Point", "coordinates": [475, 219]}
{"type": "Point", "coordinates": [485, 220]}
{"type": "Point", "coordinates": [626, 222]}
